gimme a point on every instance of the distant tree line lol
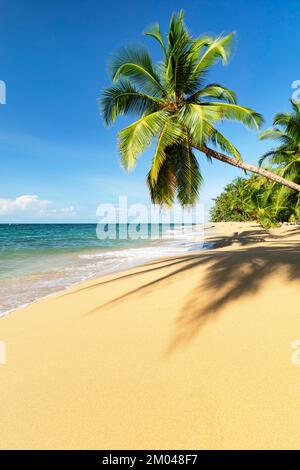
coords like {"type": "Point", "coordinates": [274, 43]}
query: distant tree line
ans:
{"type": "Point", "coordinates": [256, 199]}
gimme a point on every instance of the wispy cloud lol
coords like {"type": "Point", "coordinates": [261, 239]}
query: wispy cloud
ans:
{"type": "Point", "coordinates": [33, 206]}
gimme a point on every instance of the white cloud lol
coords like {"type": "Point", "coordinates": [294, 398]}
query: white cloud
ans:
{"type": "Point", "coordinates": [26, 203]}
{"type": "Point", "coordinates": [32, 205]}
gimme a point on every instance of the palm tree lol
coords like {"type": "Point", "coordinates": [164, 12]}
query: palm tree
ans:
{"type": "Point", "coordinates": [286, 157]}
{"type": "Point", "coordinates": [176, 107]}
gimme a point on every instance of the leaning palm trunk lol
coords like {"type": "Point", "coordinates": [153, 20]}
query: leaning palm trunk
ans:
{"type": "Point", "coordinates": [246, 166]}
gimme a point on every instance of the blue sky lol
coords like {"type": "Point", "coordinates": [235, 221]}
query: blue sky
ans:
{"type": "Point", "coordinates": [54, 54]}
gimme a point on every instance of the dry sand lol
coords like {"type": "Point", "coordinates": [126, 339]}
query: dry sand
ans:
{"type": "Point", "coordinates": [190, 352]}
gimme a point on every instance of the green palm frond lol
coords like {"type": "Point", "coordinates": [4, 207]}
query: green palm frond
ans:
{"type": "Point", "coordinates": [266, 156]}
{"type": "Point", "coordinates": [290, 122]}
{"type": "Point", "coordinates": [188, 175]}
{"type": "Point", "coordinates": [135, 63]}
{"type": "Point", "coordinates": [296, 108]}
{"type": "Point", "coordinates": [219, 140]}
{"type": "Point", "coordinates": [134, 139]}
{"type": "Point", "coordinates": [179, 175]}
{"type": "Point", "coordinates": [218, 49]}
{"type": "Point", "coordinates": [273, 133]}
{"type": "Point", "coordinates": [285, 161]}
{"type": "Point", "coordinates": [179, 62]}
{"type": "Point", "coordinates": [163, 189]}
{"type": "Point", "coordinates": [235, 112]}
{"type": "Point", "coordinates": [196, 119]}
{"type": "Point", "coordinates": [123, 98]}
{"type": "Point", "coordinates": [291, 170]}
{"type": "Point", "coordinates": [178, 35]}
{"type": "Point", "coordinates": [282, 119]}
{"type": "Point", "coordinates": [154, 32]}
{"type": "Point", "coordinates": [282, 196]}
{"type": "Point", "coordinates": [286, 157]}
{"type": "Point", "coordinates": [172, 133]}
{"type": "Point", "coordinates": [214, 90]}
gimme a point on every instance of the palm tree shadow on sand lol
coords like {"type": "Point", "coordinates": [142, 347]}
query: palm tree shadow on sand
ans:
{"type": "Point", "coordinates": [229, 275]}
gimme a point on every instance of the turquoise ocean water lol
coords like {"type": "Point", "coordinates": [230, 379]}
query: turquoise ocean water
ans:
{"type": "Point", "coordinates": [40, 259]}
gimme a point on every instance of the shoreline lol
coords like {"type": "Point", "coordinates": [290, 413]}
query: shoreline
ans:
{"type": "Point", "coordinates": [87, 278]}
{"type": "Point", "coordinates": [189, 351]}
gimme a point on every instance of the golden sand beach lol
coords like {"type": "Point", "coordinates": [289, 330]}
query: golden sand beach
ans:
{"type": "Point", "coordinates": [190, 352]}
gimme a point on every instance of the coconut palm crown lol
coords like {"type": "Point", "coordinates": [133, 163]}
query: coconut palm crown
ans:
{"type": "Point", "coordinates": [176, 109]}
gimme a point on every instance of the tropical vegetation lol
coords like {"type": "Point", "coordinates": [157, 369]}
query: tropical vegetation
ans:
{"type": "Point", "coordinates": [177, 111]}
{"type": "Point", "coordinates": [258, 199]}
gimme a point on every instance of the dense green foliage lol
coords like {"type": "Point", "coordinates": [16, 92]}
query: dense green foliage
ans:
{"type": "Point", "coordinates": [229, 206]}
{"type": "Point", "coordinates": [256, 198]}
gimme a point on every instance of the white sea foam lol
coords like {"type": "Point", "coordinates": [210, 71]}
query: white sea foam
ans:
{"type": "Point", "coordinates": [28, 287]}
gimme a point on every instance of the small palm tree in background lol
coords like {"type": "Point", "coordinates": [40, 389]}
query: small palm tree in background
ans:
{"type": "Point", "coordinates": [175, 107]}
{"type": "Point", "coordinates": [286, 157]}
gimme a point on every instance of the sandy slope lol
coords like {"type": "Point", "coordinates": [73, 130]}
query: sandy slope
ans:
{"type": "Point", "coordinates": [190, 352]}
